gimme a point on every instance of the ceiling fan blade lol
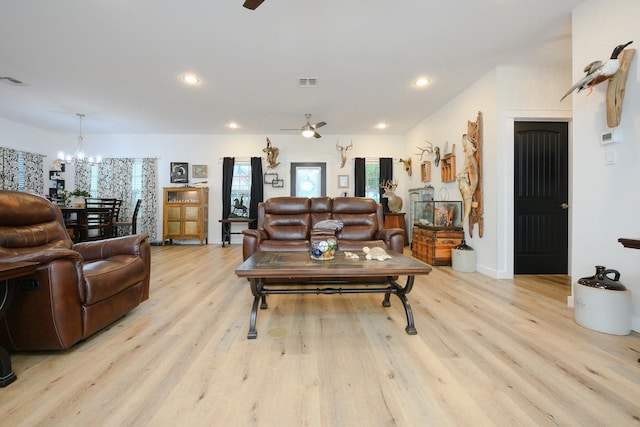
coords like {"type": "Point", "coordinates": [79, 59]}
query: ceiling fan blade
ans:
{"type": "Point", "coordinates": [316, 135]}
{"type": "Point", "coordinates": [252, 4]}
{"type": "Point", "coordinates": [318, 125]}
{"type": "Point", "coordinates": [291, 129]}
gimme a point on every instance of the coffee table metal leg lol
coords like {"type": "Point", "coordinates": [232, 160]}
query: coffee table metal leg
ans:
{"type": "Point", "coordinates": [401, 294]}
{"type": "Point", "coordinates": [256, 290]}
{"type": "Point", "coordinates": [6, 374]}
{"type": "Point", "coordinates": [253, 334]}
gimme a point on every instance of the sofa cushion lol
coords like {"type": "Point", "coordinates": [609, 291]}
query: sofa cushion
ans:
{"type": "Point", "coordinates": [320, 209]}
{"type": "Point", "coordinates": [287, 218]}
{"type": "Point", "coordinates": [284, 245]}
{"type": "Point", "coordinates": [359, 217]}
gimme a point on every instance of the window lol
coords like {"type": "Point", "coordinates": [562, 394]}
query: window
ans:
{"type": "Point", "coordinates": [20, 171]}
{"type": "Point", "coordinates": [241, 189]}
{"type": "Point", "coordinates": [136, 181]}
{"type": "Point", "coordinates": [372, 176]}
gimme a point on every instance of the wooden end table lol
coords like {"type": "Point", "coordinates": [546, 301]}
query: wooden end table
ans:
{"type": "Point", "coordinates": [226, 227]}
{"type": "Point", "coordinates": [298, 265]}
{"type": "Point", "coordinates": [8, 271]}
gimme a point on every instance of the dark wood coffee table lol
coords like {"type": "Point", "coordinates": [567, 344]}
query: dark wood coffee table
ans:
{"type": "Point", "coordinates": [274, 266]}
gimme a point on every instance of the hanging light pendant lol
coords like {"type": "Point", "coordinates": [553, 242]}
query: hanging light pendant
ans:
{"type": "Point", "coordinates": [79, 156]}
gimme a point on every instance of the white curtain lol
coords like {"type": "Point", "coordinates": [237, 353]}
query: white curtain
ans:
{"type": "Point", "coordinates": [115, 180]}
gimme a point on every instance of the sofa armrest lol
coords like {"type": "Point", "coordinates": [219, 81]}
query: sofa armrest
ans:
{"type": "Point", "coordinates": [101, 249]}
{"type": "Point", "coordinates": [393, 238]}
{"type": "Point", "coordinates": [43, 256]}
{"type": "Point", "coordinates": [251, 241]}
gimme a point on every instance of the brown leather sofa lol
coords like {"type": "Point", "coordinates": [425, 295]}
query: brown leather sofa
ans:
{"type": "Point", "coordinates": [285, 223]}
{"type": "Point", "coordinates": [78, 289]}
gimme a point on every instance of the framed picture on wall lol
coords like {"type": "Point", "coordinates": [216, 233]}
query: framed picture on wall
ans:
{"type": "Point", "coordinates": [179, 172]}
{"type": "Point", "coordinates": [270, 177]}
{"type": "Point", "coordinates": [425, 172]}
{"type": "Point", "coordinates": [343, 181]}
{"type": "Point", "coordinates": [199, 171]}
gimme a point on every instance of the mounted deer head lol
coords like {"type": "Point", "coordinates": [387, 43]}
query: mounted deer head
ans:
{"type": "Point", "coordinates": [407, 165]}
{"type": "Point", "coordinates": [343, 152]}
{"type": "Point", "coordinates": [394, 201]}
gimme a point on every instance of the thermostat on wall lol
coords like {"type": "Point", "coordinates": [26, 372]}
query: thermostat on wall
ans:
{"type": "Point", "coordinates": [610, 137]}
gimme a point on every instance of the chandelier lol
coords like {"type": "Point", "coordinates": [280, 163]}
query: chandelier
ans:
{"type": "Point", "coordinates": [79, 156]}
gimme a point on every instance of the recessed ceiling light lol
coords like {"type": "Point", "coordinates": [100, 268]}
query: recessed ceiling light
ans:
{"type": "Point", "coordinates": [191, 79]}
{"type": "Point", "coordinates": [232, 125]}
{"type": "Point", "coordinates": [381, 125]}
{"type": "Point", "coordinates": [421, 82]}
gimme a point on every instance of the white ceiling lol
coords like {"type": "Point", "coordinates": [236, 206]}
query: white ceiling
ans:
{"type": "Point", "coordinates": [119, 61]}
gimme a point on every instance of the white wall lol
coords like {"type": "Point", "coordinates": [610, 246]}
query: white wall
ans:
{"type": "Point", "coordinates": [21, 137]}
{"type": "Point", "coordinates": [529, 90]}
{"type": "Point", "coordinates": [447, 126]}
{"type": "Point", "coordinates": [606, 199]}
{"type": "Point", "coordinates": [209, 150]}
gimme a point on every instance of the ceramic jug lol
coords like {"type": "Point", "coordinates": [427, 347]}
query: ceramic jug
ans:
{"type": "Point", "coordinates": [601, 280]}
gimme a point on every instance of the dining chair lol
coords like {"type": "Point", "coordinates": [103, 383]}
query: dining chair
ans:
{"type": "Point", "coordinates": [100, 218]}
{"type": "Point", "coordinates": [134, 219]}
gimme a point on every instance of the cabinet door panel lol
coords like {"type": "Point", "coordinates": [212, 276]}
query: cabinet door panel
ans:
{"type": "Point", "coordinates": [191, 213]}
{"type": "Point", "coordinates": [173, 213]}
{"type": "Point", "coordinates": [191, 227]}
{"type": "Point", "coordinates": [173, 228]}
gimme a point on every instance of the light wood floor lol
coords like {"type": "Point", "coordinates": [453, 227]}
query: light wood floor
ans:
{"type": "Point", "coordinates": [488, 352]}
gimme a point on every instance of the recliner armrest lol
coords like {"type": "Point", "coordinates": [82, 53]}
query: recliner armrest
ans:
{"type": "Point", "coordinates": [393, 238]}
{"type": "Point", "coordinates": [101, 249]}
{"type": "Point", "coordinates": [43, 256]}
{"type": "Point", "coordinates": [251, 241]}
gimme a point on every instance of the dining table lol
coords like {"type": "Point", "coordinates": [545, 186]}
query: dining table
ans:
{"type": "Point", "coordinates": [75, 219]}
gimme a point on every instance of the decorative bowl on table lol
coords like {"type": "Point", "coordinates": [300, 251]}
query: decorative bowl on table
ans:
{"type": "Point", "coordinates": [323, 249]}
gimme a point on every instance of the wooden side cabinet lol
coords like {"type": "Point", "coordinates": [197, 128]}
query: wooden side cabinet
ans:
{"type": "Point", "coordinates": [185, 214]}
{"type": "Point", "coordinates": [433, 244]}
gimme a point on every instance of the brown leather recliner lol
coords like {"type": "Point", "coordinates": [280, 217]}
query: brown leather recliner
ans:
{"type": "Point", "coordinates": [78, 289]}
{"type": "Point", "coordinates": [285, 224]}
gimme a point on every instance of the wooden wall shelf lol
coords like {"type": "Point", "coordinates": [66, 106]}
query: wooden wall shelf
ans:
{"type": "Point", "coordinates": [448, 168]}
{"type": "Point", "coordinates": [630, 243]}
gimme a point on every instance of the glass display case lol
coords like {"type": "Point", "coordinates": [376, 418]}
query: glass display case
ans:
{"type": "Point", "coordinates": [421, 193]}
{"type": "Point", "coordinates": [437, 213]}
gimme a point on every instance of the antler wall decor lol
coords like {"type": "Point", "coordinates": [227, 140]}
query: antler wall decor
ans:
{"type": "Point", "coordinates": [343, 152]}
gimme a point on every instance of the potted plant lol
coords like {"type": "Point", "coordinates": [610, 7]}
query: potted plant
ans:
{"type": "Point", "coordinates": [78, 198]}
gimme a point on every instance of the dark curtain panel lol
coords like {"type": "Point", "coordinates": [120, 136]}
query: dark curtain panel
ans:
{"type": "Point", "coordinates": [360, 178]}
{"type": "Point", "coordinates": [386, 172]}
{"type": "Point", "coordinates": [257, 193]}
{"type": "Point", "coordinates": [227, 182]}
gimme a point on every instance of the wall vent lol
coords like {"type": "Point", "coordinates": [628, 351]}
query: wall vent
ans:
{"type": "Point", "coordinates": [307, 82]}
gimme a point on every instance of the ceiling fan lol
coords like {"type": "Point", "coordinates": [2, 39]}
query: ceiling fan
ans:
{"type": "Point", "coordinates": [252, 4]}
{"type": "Point", "coordinates": [309, 130]}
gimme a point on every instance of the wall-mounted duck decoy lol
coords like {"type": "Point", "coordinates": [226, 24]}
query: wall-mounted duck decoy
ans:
{"type": "Point", "coordinates": [598, 71]}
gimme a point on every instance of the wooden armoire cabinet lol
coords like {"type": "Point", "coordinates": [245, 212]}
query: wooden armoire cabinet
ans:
{"type": "Point", "coordinates": [186, 214]}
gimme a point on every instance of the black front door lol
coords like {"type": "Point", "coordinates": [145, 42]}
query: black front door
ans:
{"type": "Point", "coordinates": [541, 198]}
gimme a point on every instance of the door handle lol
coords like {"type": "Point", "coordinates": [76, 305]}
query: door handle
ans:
{"type": "Point", "coordinates": [564, 206]}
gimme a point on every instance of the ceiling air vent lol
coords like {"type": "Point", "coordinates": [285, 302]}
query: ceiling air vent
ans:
{"type": "Point", "coordinates": [12, 81]}
{"type": "Point", "coordinates": [307, 82]}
